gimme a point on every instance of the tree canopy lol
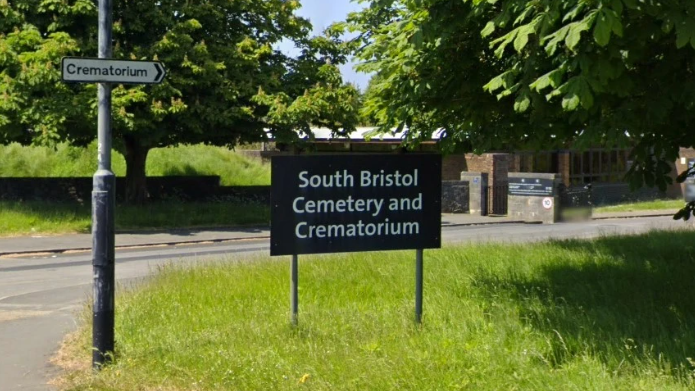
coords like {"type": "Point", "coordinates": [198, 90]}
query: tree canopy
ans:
{"type": "Point", "coordinates": [226, 82]}
{"type": "Point", "coordinates": [535, 74]}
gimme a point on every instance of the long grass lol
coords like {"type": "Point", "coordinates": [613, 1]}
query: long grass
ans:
{"type": "Point", "coordinates": [22, 218]}
{"type": "Point", "coordinates": [66, 161]}
{"type": "Point", "coordinates": [641, 206]}
{"type": "Point", "coordinates": [617, 313]}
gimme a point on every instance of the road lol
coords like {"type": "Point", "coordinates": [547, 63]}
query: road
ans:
{"type": "Point", "coordinates": [40, 295]}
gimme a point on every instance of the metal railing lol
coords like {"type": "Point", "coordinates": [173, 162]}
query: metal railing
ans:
{"type": "Point", "coordinates": [497, 199]}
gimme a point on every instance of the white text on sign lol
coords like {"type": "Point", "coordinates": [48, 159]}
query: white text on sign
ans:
{"type": "Point", "coordinates": [367, 179]}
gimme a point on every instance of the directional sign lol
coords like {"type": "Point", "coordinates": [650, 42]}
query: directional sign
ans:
{"type": "Point", "coordinates": [531, 186]}
{"type": "Point", "coordinates": [96, 70]}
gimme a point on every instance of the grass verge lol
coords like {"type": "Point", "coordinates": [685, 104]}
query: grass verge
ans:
{"type": "Point", "coordinates": [615, 313]}
{"type": "Point", "coordinates": [640, 206]}
{"type": "Point", "coordinates": [22, 218]}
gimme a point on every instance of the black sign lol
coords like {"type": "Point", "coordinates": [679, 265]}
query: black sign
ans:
{"type": "Point", "coordinates": [531, 187]}
{"type": "Point", "coordinates": [356, 202]}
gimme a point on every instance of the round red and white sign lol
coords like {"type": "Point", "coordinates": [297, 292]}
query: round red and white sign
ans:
{"type": "Point", "coordinates": [547, 202]}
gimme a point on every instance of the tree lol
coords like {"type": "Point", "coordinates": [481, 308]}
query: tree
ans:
{"type": "Point", "coordinates": [366, 118]}
{"type": "Point", "coordinates": [322, 100]}
{"type": "Point", "coordinates": [536, 74]}
{"type": "Point", "coordinates": [225, 81]}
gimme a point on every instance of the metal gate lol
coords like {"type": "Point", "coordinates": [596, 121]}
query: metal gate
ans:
{"type": "Point", "coordinates": [497, 197]}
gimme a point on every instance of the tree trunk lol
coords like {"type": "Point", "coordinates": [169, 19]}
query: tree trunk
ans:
{"type": "Point", "coordinates": [135, 177]}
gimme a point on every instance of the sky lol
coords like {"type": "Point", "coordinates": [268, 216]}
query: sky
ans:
{"type": "Point", "coordinates": [322, 13]}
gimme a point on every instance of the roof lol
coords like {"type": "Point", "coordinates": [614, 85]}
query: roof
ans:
{"type": "Point", "coordinates": [362, 134]}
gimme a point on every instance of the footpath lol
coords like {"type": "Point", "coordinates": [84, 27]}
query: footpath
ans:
{"type": "Point", "coordinates": [133, 239]}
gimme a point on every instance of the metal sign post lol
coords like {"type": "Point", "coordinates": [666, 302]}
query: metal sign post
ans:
{"type": "Point", "coordinates": [294, 290]}
{"type": "Point", "coordinates": [339, 203]}
{"type": "Point", "coordinates": [418, 286]}
{"type": "Point", "coordinates": [103, 70]}
{"type": "Point", "coordinates": [103, 205]}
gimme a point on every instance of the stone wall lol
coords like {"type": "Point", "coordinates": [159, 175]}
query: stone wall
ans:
{"type": "Point", "coordinates": [54, 189]}
{"type": "Point", "coordinates": [477, 185]}
{"type": "Point", "coordinates": [184, 188]}
{"type": "Point", "coordinates": [455, 196]}
{"type": "Point", "coordinates": [530, 208]}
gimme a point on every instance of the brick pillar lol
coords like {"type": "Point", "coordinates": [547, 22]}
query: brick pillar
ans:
{"type": "Point", "coordinates": [514, 163]}
{"type": "Point", "coordinates": [498, 178]}
{"type": "Point", "coordinates": [479, 163]}
{"type": "Point", "coordinates": [500, 168]}
{"type": "Point", "coordinates": [564, 166]}
{"type": "Point", "coordinates": [452, 166]}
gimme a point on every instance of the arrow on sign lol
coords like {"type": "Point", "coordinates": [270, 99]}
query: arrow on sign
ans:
{"type": "Point", "coordinates": [160, 72]}
{"type": "Point", "coordinates": [100, 70]}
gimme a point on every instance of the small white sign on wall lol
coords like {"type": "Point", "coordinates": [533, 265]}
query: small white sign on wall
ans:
{"type": "Point", "coordinates": [547, 203]}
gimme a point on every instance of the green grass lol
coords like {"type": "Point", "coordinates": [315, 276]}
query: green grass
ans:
{"type": "Point", "coordinates": [233, 168]}
{"type": "Point", "coordinates": [61, 161]}
{"type": "Point", "coordinates": [22, 218]}
{"type": "Point", "coordinates": [640, 206]}
{"type": "Point", "coordinates": [617, 313]}
{"type": "Point", "coordinates": [66, 161]}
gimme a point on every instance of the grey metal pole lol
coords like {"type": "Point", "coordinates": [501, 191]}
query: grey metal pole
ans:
{"type": "Point", "coordinates": [294, 294]}
{"type": "Point", "coordinates": [103, 205]}
{"type": "Point", "coordinates": [418, 286]}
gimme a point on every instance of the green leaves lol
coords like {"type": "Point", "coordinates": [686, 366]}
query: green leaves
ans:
{"type": "Point", "coordinates": [519, 36]}
{"type": "Point", "coordinates": [328, 103]}
{"type": "Point", "coordinates": [504, 80]}
{"type": "Point", "coordinates": [522, 102]}
{"type": "Point", "coordinates": [569, 34]}
{"type": "Point", "coordinates": [581, 72]}
{"type": "Point", "coordinates": [488, 30]}
{"type": "Point", "coordinates": [576, 29]}
{"type": "Point", "coordinates": [552, 78]}
{"type": "Point", "coordinates": [218, 55]}
{"type": "Point", "coordinates": [607, 22]}
{"type": "Point", "coordinates": [552, 40]}
{"type": "Point", "coordinates": [522, 37]}
{"type": "Point", "coordinates": [685, 32]}
{"type": "Point", "coordinates": [577, 91]}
